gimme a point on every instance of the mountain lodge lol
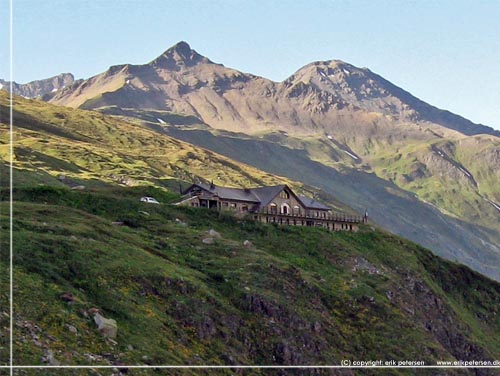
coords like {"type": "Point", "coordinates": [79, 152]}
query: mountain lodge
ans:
{"type": "Point", "coordinates": [274, 204]}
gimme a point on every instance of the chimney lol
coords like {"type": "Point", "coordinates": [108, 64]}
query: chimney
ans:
{"type": "Point", "coordinates": [212, 186]}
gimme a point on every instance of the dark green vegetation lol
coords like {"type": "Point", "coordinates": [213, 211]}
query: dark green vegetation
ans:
{"type": "Point", "coordinates": [295, 296]}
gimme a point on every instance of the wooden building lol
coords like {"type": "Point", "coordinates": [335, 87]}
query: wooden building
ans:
{"type": "Point", "coordinates": [275, 204]}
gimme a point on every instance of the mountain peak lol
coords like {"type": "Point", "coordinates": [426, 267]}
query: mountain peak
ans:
{"type": "Point", "coordinates": [181, 47]}
{"type": "Point", "coordinates": [179, 55]}
{"type": "Point", "coordinates": [328, 66]}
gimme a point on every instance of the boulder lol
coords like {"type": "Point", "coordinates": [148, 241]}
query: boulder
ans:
{"type": "Point", "coordinates": [50, 358]}
{"type": "Point", "coordinates": [71, 329]}
{"type": "Point", "coordinates": [180, 223]}
{"type": "Point", "coordinates": [93, 311]}
{"type": "Point", "coordinates": [107, 327]}
{"type": "Point", "coordinates": [67, 297]}
{"type": "Point", "coordinates": [208, 241]}
{"type": "Point", "coordinates": [214, 234]}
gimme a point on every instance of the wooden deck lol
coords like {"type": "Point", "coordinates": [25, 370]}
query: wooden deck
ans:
{"type": "Point", "coordinates": [331, 222]}
{"type": "Point", "coordinates": [327, 218]}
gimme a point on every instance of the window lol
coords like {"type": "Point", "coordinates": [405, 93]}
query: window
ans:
{"type": "Point", "coordinates": [244, 208]}
{"type": "Point", "coordinates": [284, 194]}
{"type": "Point", "coordinates": [273, 208]}
{"type": "Point", "coordinates": [285, 209]}
{"type": "Point", "coordinates": [296, 210]}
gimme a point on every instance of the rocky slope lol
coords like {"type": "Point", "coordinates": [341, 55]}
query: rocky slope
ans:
{"type": "Point", "coordinates": [182, 81]}
{"type": "Point", "coordinates": [344, 119]}
{"type": "Point", "coordinates": [39, 88]}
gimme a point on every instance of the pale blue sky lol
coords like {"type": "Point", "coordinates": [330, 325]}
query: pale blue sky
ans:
{"type": "Point", "coordinates": [444, 52]}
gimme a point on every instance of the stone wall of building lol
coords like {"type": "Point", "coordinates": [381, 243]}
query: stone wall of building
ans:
{"type": "Point", "coordinates": [285, 203]}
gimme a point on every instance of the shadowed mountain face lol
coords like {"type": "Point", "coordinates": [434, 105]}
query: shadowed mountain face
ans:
{"type": "Point", "coordinates": [343, 122]}
{"type": "Point", "coordinates": [39, 88]}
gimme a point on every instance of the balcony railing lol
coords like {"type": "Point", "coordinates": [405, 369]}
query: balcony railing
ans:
{"type": "Point", "coordinates": [327, 218]}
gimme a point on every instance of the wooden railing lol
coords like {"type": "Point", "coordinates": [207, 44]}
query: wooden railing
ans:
{"type": "Point", "coordinates": [328, 218]}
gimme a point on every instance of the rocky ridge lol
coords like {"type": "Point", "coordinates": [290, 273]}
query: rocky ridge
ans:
{"type": "Point", "coordinates": [183, 81]}
{"type": "Point", "coordinates": [39, 88]}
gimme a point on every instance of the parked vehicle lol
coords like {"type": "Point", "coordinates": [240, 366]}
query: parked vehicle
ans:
{"type": "Point", "coordinates": [149, 200]}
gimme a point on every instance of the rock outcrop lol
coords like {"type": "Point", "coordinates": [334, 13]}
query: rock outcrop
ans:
{"type": "Point", "coordinates": [107, 327]}
{"type": "Point", "coordinates": [39, 88]}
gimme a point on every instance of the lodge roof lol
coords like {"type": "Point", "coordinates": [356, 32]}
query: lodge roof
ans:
{"type": "Point", "coordinates": [267, 194]}
{"type": "Point", "coordinates": [311, 203]}
{"type": "Point", "coordinates": [229, 193]}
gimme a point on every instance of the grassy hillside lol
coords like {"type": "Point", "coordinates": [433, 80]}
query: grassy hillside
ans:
{"type": "Point", "coordinates": [295, 296]}
{"type": "Point", "coordinates": [474, 243]}
{"type": "Point", "coordinates": [458, 176]}
{"type": "Point", "coordinates": [90, 149]}
{"type": "Point", "coordinates": [94, 150]}
{"type": "Point", "coordinates": [88, 146]}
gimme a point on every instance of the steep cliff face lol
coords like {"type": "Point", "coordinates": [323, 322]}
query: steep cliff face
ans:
{"type": "Point", "coordinates": [39, 88]}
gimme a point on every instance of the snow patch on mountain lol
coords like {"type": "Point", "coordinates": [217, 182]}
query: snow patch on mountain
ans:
{"type": "Point", "coordinates": [350, 154]}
